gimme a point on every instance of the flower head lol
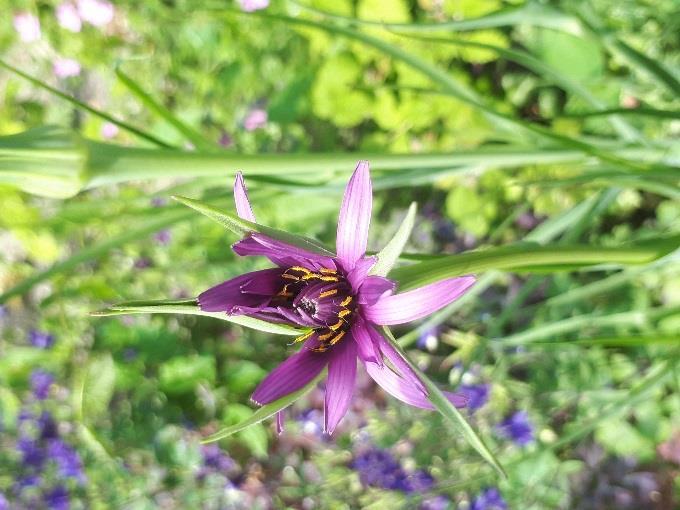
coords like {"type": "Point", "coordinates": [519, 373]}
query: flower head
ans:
{"type": "Point", "coordinates": [477, 394]}
{"type": "Point", "coordinates": [255, 119]}
{"type": "Point", "coordinates": [489, 499]}
{"type": "Point", "coordinates": [40, 339]}
{"type": "Point", "coordinates": [58, 498]}
{"type": "Point", "coordinates": [96, 12]}
{"type": "Point", "coordinates": [41, 382]}
{"type": "Point", "coordinates": [517, 428]}
{"type": "Point", "coordinates": [340, 303]}
{"type": "Point", "coordinates": [68, 17]}
{"type": "Point", "coordinates": [27, 26]}
{"type": "Point", "coordinates": [4, 504]}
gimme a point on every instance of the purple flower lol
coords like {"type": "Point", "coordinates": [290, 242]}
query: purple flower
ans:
{"type": "Point", "coordinates": [225, 140]}
{"type": "Point", "coordinates": [47, 426]}
{"type": "Point", "coordinates": [253, 5]}
{"type": "Point", "coordinates": [96, 12]}
{"type": "Point", "coordinates": [32, 454]}
{"type": "Point", "coordinates": [489, 499]}
{"type": "Point", "coordinates": [255, 119]}
{"type": "Point", "coordinates": [311, 421]}
{"type": "Point", "coordinates": [163, 236]}
{"type": "Point", "coordinates": [517, 428]}
{"type": "Point", "coordinates": [67, 459]}
{"type": "Point", "coordinates": [57, 498]}
{"type": "Point", "coordinates": [477, 394]}
{"type": "Point", "coordinates": [214, 458]}
{"type": "Point", "coordinates": [40, 339]}
{"type": "Point", "coordinates": [109, 130]}
{"type": "Point", "coordinates": [428, 339]}
{"type": "Point", "coordinates": [25, 482]}
{"type": "Point", "coordinates": [66, 68]}
{"type": "Point", "coordinates": [68, 17]}
{"type": "Point", "coordinates": [41, 382]}
{"type": "Point", "coordinates": [440, 502]}
{"type": "Point", "coordinates": [419, 481]}
{"type": "Point", "coordinates": [341, 304]}
{"type": "Point", "coordinates": [27, 26]}
{"type": "Point", "coordinates": [4, 504]}
{"type": "Point", "coordinates": [378, 468]}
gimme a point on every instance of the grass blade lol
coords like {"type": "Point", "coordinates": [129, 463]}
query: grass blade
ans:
{"type": "Point", "coordinates": [389, 255]}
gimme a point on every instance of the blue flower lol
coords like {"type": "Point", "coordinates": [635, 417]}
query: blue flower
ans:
{"type": "Point", "coordinates": [378, 468]}
{"type": "Point", "coordinates": [517, 428]}
{"type": "Point", "coordinates": [47, 426]}
{"type": "Point", "coordinates": [489, 499]}
{"type": "Point", "coordinates": [214, 458]}
{"type": "Point", "coordinates": [41, 381]}
{"type": "Point", "coordinates": [477, 394]}
{"type": "Point", "coordinates": [40, 339]}
{"type": "Point", "coordinates": [57, 498]}
{"type": "Point", "coordinates": [32, 455]}
{"type": "Point", "coordinates": [67, 459]}
{"type": "Point", "coordinates": [428, 339]}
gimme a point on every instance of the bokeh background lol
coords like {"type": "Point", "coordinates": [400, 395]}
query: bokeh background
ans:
{"type": "Point", "coordinates": [572, 375]}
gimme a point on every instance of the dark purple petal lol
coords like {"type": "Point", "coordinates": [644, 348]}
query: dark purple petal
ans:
{"type": "Point", "coordinates": [342, 370]}
{"type": "Point", "coordinates": [356, 276]}
{"type": "Point", "coordinates": [293, 374]}
{"type": "Point", "coordinates": [243, 208]}
{"type": "Point", "coordinates": [250, 290]}
{"type": "Point", "coordinates": [355, 217]}
{"type": "Point", "coordinates": [367, 346]}
{"type": "Point", "coordinates": [373, 288]}
{"type": "Point", "coordinates": [404, 390]}
{"type": "Point", "coordinates": [417, 303]}
{"type": "Point", "coordinates": [281, 253]}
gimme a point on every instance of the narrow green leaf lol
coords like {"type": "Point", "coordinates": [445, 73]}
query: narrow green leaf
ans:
{"type": "Point", "coordinates": [190, 307]}
{"type": "Point", "coordinates": [243, 227]}
{"type": "Point", "coordinates": [447, 409]}
{"type": "Point", "coordinates": [266, 411]}
{"type": "Point", "coordinates": [189, 133]}
{"type": "Point", "coordinates": [619, 341]}
{"type": "Point", "coordinates": [389, 255]}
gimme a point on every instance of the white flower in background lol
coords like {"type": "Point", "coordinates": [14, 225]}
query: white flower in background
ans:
{"type": "Point", "coordinates": [68, 17]}
{"type": "Point", "coordinates": [109, 130]}
{"type": "Point", "coordinates": [27, 26]}
{"type": "Point", "coordinates": [253, 5]}
{"type": "Point", "coordinates": [96, 12]}
{"type": "Point", "coordinates": [66, 67]}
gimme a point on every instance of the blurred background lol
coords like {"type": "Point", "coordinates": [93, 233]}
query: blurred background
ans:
{"type": "Point", "coordinates": [561, 118]}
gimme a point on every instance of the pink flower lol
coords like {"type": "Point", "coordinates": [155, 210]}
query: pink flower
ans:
{"type": "Point", "coordinates": [27, 26]}
{"type": "Point", "coordinates": [66, 68]}
{"type": "Point", "coordinates": [253, 5]}
{"type": "Point", "coordinates": [96, 12]}
{"type": "Point", "coordinates": [255, 119]}
{"type": "Point", "coordinates": [68, 17]}
{"type": "Point", "coordinates": [109, 130]}
{"type": "Point", "coordinates": [338, 301]}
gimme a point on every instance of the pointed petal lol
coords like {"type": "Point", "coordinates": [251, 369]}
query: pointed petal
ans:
{"type": "Point", "coordinates": [417, 303]}
{"type": "Point", "coordinates": [229, 295]}
{"type": "Point", "coordinates": [367, 346]}
{"type": "Point", "coordinates": [373, 288]}
{"type": "Point", "coordinates": [243, 208]}
{"type": "Point", "coordinates": [291, 375]}
{"type": "Point", "coordinates": [282, 254]}
{"type": "Point", "coordinates": [280, 420]}
{"type": "Point", "coordinates": [397, 361]}
{"type": "Point", "coordinates": [355, 217]}
{"type": "Point", "coordinates": [342, 371]}
{"type": "Point", "coordinates": [357, 275]}
{"type": "Point", "coordinates": [404, 391]}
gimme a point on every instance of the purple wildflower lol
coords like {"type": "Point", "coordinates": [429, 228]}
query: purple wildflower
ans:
{"type": "Point", "coordinates": [214, 458]}
{"type": "Point", "coordinates": [428, 339]}
{"type": "Point", "coordinates": [378, 468]}
{"type": "Point", "coordinates": [96, 12]}
{"type": "Point", "coordinates": [489, 499]}
{"type": "Point", "coordinates": [255, 119]}
{"type": "Point", "coordinates": [4, 504]}
{"type": "Point", "coordinates": [338, 301]}
{"type": "Point", "coordinates": [163, 237]}
{"type": "Point", "coordinates": [66, 68]}
{"type": "Point", "coordinates": [477, 394]}
{"type": "Point", "coordinates": [419, 481]}
{"type": "Point", "coordinates": [57, 498]}
{"type": "Point", "coordinates": [32, 455]}
{"type": "Point", "coordinates": [47, 426]}
{"type": "Point", "coordinates": [67, 459]}
{"type": "Point", "coordinates": [440, 502]}
{"type": "Point", "coordinates": [225, 140]}
{"type": "Point", "coordinates": [517, 428]}
{"type": "Point", "coordinates": [41, 382]}
{"type": "Point", "coordinates": [68, 17]}
{"type": "Point", "coordinates": [109, 130]}
{"type": "Point", "coordinates": [40, 339]}
{"type": "Point", "coordinates": [253, 5]}
{"type": "Point", "coordinates": [27, 26]}
{"type": "Point", "coordinates": [24, 482]}
{"type": "Point", "coordinates": [311, 421]}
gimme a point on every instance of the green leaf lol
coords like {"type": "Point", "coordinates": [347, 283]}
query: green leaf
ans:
{"type": "Point", "coordinates": [266, 411]}
{"type": "Point", "coordinates": [243, 227]}
{"type": "Point", "coordinates": [98, 384]}
{"type": "Point", "coordinates": [389, 255]}
{"type": "Point", "coordinates": [182, 374]}
{"type": "Point", "coordinates": [529, 255]}
{"type": "Point", "coordinates": [447, 409]}
{"type": "Point", "coordinates": [190, 307]}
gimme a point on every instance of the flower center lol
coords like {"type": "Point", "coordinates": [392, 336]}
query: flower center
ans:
{"type": "Point", "coordinates": [322, 300]}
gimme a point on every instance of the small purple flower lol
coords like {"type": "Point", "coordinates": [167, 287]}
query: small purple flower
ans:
{"type": "Point", "coordinates": [4, 504]}
{"type": "Point", "coordinates": [66, 68]}
{"type": "Point", "coordinates": [419, 481]}
{"type": "Point", "coordinates": [256, 119]}
{"type": "Point", "coordinates": [24, 482]}
{"type": "Point", "coordinates": [96, 12]}
{"type": "Point", "coordinates": [163, 236]}
{"type": "Point", "coordinates": [311, 421]}
{"type": "Point", "coordinates": [338, 301]}
{"type": "Point", "coordinates": [517, 428]}
{"type": "Point", "coordinates": [67, 459]}
{"type": "Point", "coordinates": [27, 26]}
{"type": "Point", "coordinates": [40, 339]}
{"type": "Point", "coordinates": [489, 499]}
{"type": "Point", "coordinates": [378, 468]}
{"type": "Point", "coordinates": [32, 454]}
{"type": "Point", "coordinates": [440, 502]}
{"type": "Point", "coordinates": [216, 459]}
{"type": "Point", "coordinates": [428, 339]}
{"type": "Point", "coordinates": [225, 140]}
{"type": "Point", "coordinates": [57, 498]}
{"type": "Point", "coordinates": [109, 130]}
{"type": "Point", "coordinates": [41, 382]}
{"type": "Point", "coordinates": [47, 426]}
{"type": "Point", "coordinates": [477, 394]}
{"type": "Point", "coordinates": [68, 17]}
{"type": "Point", "coordinates": [253, 5]}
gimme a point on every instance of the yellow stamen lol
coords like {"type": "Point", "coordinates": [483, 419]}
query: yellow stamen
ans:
{"type": "Point", "coordinates": [324, 270]}
{"type": "Point", "coordinates": [310, 276]}
{"type": "Point", "coordinates": [290, 277]}
{"type": "Point", "coordinates": [299, 268]}
{"type": "Point", "coordinates": [346, 301]}
{"type": "Point", "coordinates": [337, 338]}
{"type": "Point", "coordinates": [336, 326]}
{"type": "Point", "coordinates": [323, 338]}
{"type": "Point", "coordinates": [302, 338]}
{"type": "Point", "coordinates": [331, 292]}
{"type": "Point", "coordinates": [344, 313]}
{"type": "Point", "coordinates": [328, 278]}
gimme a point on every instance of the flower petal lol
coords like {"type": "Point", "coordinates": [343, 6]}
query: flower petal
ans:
{"type": "Point", "coordinates": [291, 375]}
{"type": "Point", "coordinates": [405, 391]}
{"type": "Point", "coordinates": [397, 361]}
{"type": "Point", "coordinates": [373, 288]}
{"type": "Point", "coordinates": [280, 420]}
{"type": "Point", "coordinates": [243, 208]}
{"type": "Point", "coordinates": [367, 346]}
{"type": "Point", "coordinates": [417, 303]}
{"type": "Point", "coordinates": [342, 371]}
{"type": "Point", "coordinates": [230, 295]}
{"type": "Point", "coordinates": [355, 217]}
{"type": "Point", "coordinates": [357, 275]}
{"type": "Point", "coordinates": [281, 253]}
